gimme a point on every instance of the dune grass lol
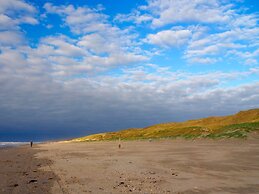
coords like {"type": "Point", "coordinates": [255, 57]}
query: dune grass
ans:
{"type": "Point", "coordinates": [233, 126]}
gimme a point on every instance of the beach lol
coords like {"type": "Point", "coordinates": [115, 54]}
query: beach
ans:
{"type": "Point", "coordinates": [22, 173]}
{"type": "Point", "coordinates": [164, 166]}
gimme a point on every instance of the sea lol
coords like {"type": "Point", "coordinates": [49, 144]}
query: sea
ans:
{"type": "Point", "coordinates": [12, 144]}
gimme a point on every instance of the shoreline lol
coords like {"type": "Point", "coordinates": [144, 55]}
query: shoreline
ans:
{"type": "Point", "coordinates": [12, 144]}
{"type": "Point", "coordinates": [161, 166]}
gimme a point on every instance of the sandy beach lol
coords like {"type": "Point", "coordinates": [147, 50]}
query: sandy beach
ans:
{"type": "Point", "coordinates": [168, 166]}
{"type": "Point", "coordinates": [22, 173]}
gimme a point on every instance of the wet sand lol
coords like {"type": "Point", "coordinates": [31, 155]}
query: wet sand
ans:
{"type": "Point", "coordinates": [168, 166]}
{"type": "Point", "coordinates": [22, 173]}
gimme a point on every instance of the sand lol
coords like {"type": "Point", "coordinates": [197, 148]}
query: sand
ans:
{"type": "Point", "coordinates": [22, 173]}
{"type": "Point", "coordinates": [168, 166]}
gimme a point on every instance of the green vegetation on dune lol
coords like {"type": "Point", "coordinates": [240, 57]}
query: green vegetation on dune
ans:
{"type": "Point", "coordinates": [235, 130]}
{"type": "Point", "coordinates": [233, 126]}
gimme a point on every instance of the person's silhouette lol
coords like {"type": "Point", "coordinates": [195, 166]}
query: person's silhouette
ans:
{"type": "Point", "coordinates": [31, 143]}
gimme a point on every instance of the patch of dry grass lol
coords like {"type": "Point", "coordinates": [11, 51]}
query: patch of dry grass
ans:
{"type": "Point", "coordinates": [237, 126]}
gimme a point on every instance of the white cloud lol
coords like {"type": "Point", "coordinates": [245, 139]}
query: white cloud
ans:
{"type": "Point", "coordinates": [57, 82]}
{"type": "Point", "coordinates": [6, 22]}
{"type": "Point", "coordinates": [134, 16]}
{"type": "Point", "coordinates": [251, 61]}
{"type": "Point", "coordinates": [45, 92]}
{"type": "Point", "coordinates": [169, 12]}
{"type": "Point", "coordinates": [248, 21]}
{"type": "Point", "coordinates": [66, 57]}
{"type": "Point", "coordinates": [27, 20]}
{"type": "Point", "coordinates": [63, 46]}
{"type": "Point", "coordinates": [115, 59]}
{"type": "Point", "coordinates": [80, 19]}
{"type": "Point", "coordinates": [169, 38]}
{"type": "Point", "coordinates": [211, 30]}
{"type": "Point", "coordinates": [202, 60]}
{"type": "Point", "coordinates": [49, 26]}
{"type": "Point", "coordinates": [255, 70]}
{"type": "Point", "coordinates": [99, 44]}
{"type": "Point", "coordinates": [105, 45]}
{"type": "Point", "coordinates": [15, 12]}
{"type": "Point", "coordinates": [235, 41]}
{"type": "Point", "coordinates": [11, 38]}
{"type": "Point", "coordinates": [13, 5]}
{"type": "Point", "coordinates": [210, 50]}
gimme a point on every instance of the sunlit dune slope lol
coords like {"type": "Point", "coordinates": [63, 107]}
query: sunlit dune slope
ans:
{"type": "Point", "coordinates": [237, 125]}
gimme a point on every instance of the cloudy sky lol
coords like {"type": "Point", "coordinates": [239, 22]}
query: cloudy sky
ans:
{"type": "Point", "coordinates": [71, 68]}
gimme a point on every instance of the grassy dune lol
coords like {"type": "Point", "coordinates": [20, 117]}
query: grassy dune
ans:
{"type": "Point", "coordinates": [237, 126]}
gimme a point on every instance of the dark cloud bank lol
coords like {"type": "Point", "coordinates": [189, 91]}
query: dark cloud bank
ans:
{"type": "Point", "coordinates": [64, 87]}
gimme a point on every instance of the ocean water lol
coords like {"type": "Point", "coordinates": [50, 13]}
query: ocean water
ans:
{"type": "Point", "coordinates": [12, 144]}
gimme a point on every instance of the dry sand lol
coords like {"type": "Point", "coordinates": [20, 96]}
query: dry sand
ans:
{"type": "Point", "coordinates": [169, 166]}
{"type": "Point", "coordinates": [22, 173]}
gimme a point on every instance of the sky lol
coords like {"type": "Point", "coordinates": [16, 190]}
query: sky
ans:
{"type": "Point", "coordinates": [72, 68]}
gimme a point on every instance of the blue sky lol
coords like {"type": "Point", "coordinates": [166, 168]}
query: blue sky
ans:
{"type": "Point", "coordinates": [69, 68]}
